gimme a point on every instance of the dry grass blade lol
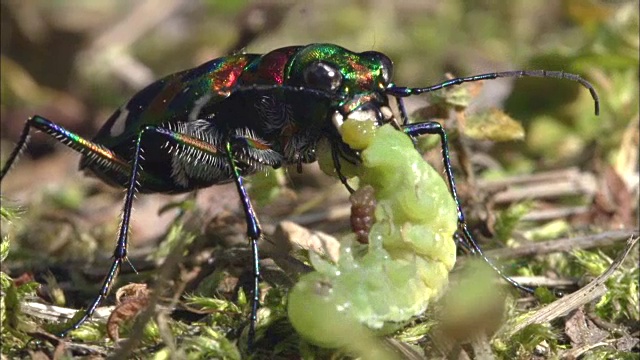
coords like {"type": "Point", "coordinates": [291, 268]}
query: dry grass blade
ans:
{"type": "Point", "coordinates": [591, 291]}
{"type": "Point", "coordinates": [403, 350]}
{"type": "Point", "coordinates": [55, 313]}
{"type": "Point", "coordinates": [537, 281]}
{"type": "Point", "coordinates": [482, 348]}
{"type": "Point", "coordinates": [564, 244]}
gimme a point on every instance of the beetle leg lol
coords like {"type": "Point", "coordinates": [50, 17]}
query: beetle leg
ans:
{"type": "Point", "coordinates": [72, 140]}
{"type": "Point", "coordinates": [435, 128]}
{"type": "Point", "coordinates": [254, 232]}
{"type": "Point", "coordinates": [120, 252]}
{"type": "Point", "coordinates": [403, 111]}
{"type": "Point", "coordinates": [94, 151]}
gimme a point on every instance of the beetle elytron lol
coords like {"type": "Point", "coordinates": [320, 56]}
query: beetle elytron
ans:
{"type": "Point", "coordinates": [236, 115]}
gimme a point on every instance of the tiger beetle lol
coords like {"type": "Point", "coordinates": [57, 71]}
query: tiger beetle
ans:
{"type": "Point", "coordinates": [240, 114]}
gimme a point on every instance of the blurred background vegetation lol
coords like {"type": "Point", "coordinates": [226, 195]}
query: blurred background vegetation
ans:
{"type": "Point", "coordinates": [75, 61]}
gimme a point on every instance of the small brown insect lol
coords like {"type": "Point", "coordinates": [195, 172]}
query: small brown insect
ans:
{"type": "Point", "coordinates": [363, 207]}
{"type": "Point", "coordinates": [131, 300]}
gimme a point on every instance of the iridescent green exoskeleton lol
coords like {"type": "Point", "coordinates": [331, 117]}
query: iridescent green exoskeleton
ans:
{"type": "Point", "coordinates": [236, 115]}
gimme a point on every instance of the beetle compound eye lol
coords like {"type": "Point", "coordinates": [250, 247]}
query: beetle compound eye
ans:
{"type": "Point", "coordinates": [322, 76]}
{"type": "Point", "coordinates": [386, 68]}
{"type": "Point", "coordinates": [386, 65]}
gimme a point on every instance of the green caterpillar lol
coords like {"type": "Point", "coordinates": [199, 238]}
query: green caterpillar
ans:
{"type": "Point", "coordinates": [410, 252]}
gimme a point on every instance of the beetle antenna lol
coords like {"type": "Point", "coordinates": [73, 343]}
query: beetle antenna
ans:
{"type": "Point", "coordinates": [399, 91]}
